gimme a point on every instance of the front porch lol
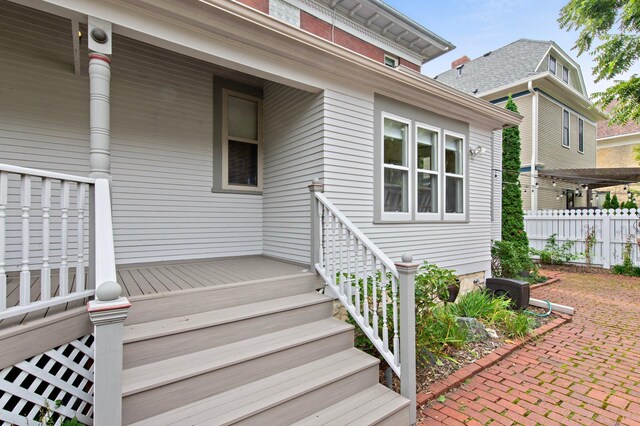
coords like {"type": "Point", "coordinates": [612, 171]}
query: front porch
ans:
{"type": "Point", "coordinates": [157, 278]}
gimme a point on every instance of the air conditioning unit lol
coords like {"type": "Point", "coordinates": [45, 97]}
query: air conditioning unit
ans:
{"type": "Point", "coordinates": [518, 291]}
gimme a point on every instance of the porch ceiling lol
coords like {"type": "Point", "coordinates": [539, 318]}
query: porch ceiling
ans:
{"type": "Point", "coordinates": [595, 177]}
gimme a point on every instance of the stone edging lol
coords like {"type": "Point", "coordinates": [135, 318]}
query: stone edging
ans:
{"type": "Point", "coordinates": [470, 370]}
{"type": "Point", "coordinates": [554, 278]}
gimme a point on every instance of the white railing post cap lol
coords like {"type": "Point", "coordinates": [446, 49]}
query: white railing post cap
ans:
{"type": "Point", "coordinates": [407, 258]}
{"type": "Point", "coordinates": [316, 186]}
{"type": "Point", "coordinates": [108, 291]}
{"type": "Point", "coordinates": [407, 265]}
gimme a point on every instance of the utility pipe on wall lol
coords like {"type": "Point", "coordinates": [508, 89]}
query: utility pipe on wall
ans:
{"type": "Point", "coordinates": [534, 146]}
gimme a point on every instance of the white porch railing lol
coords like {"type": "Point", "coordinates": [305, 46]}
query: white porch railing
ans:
{"type": "Point", "coordinates": [45, 236]}
{"type": "Point", "coordinates": [378, 294]}
{"type": "Point", "coordinates": [612, 230]}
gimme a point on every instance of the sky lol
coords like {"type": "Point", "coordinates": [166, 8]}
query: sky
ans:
{"type": "Point", "coordinates": [476, 27]}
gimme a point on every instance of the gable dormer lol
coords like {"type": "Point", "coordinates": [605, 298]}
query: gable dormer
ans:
{"type": "Point", "coordinates": [562, 67]}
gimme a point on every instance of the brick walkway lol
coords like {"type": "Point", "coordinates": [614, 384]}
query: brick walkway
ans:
{"type": "Point", "coordinates": [585, 373]}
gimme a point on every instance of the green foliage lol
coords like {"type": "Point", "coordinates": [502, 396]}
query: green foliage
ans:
{"type": "Point", "coordinates": [615, 26]}
{"type": "Point", "coordinates": [48, 417]}
{"type": "Point", "coordinates": [438, 331]}
{"type": "Point", "coordinates": [554, 253]}
{"type": "Point", "coordinates": [512, 214]}
{"type": "Point", "coordinates": [590, 244]}
{"type": "Point", "coordinates": [432, 285]}
{"type": "Point", "coordinates": [607, 201]}
{"type": "Point", "coordinates": [629, 204]}
{"type": "Point", "coordinates": [615, 204]}
{"type": "Point", "coordinates": [517, 324]}
{"type": "Point", "coordinates": [627, 267]}
{"type": "Point", "coordinates": [510, 259]}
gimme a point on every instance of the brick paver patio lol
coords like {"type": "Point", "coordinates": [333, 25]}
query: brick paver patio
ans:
{"type": "Point", "coordinates": [585, 373]}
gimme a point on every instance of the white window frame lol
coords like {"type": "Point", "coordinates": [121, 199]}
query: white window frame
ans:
{"type": "Point", "coordinates": [395, 60]}
{"type": "Point", "coordinates": [438, 172]}
{"type": "Point", "coordinates": [580, 135]}
{"type": "Point", "coordinates": [568, 145]}
{"type": "Point", "coordinates": [397, 216]}
{"type": "Point", "coordinates": [555, 65]}
{"type": "Point", "coordinates": [565, 70]}
{"type": "Point", "coordinates": [454, 216]}
{"type": "Point", "coordinates": [225, 142]}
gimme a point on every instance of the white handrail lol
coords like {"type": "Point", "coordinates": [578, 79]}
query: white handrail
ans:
{"type": "Point", "coordinates": [44, 174]}
{"type": "Point", "coordinates": [384, 259]}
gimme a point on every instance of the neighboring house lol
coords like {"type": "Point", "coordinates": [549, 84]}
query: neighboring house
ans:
{"type": "Point", "coordinates": [616, 149]}
{"type": "Point", "coordinates": [200, 125]}
{"type": "Point", "coordinates": [559, 127]}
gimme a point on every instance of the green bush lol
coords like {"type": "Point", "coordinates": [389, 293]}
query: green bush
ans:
{"type": "Point", "coordinates": [627, 267]}
{"type": "Point", "coordinates": [438, 331]}
{"type": "Point", "coordinates": [554, 253]}
{"type": "Point", "coordinates": [510, 259]}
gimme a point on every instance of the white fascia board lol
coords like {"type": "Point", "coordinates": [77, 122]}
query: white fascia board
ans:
{"type": "Point", "coordinates": [619, 140]}
{"type": "Point", "coordinates": [355, 29]}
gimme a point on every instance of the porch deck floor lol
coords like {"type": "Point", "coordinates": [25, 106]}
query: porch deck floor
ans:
{"type": "Point", "coordinates": [155, 278]}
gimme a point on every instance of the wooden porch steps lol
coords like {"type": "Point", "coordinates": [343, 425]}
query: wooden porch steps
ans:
{"type": "Point", "coordinates": [260, 358]}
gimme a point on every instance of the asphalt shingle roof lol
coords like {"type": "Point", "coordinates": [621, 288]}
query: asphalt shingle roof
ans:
{"type": "Point", "coordinates": [513, 62]}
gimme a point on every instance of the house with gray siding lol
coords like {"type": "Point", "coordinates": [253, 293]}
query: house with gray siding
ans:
{"type": "Point", "coordinates": [177, 179]}
{"type": "Point", "coordinates": [559, 126]}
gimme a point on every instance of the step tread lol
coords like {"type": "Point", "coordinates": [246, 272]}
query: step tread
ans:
{"type": "Point", "coordinates": [366, 407]}
{"type": "Point", "coordinates": [149, 376]}
{"type": "Point", "coordinates": [252, 398]}
{"type": "Point", "coordinates": [159, 328]}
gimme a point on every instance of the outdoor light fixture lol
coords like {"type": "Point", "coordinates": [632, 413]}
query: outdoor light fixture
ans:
{"type": "Point", "coordinates": [554, 183]}
{"type": "Point", "coordinates": [477, 151]}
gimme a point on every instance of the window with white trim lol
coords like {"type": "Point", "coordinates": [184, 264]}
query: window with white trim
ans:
{"type": "Point", "coordinates": [552, 64]}
{"type": "Point", "coordinates": [241, 142]}
{"type": "Point", "coordinates": [419, 164]}
{"type": "Point", "coordinates": [580, 135]}
{"type": "Point", "coordinates": [565, 74]}
{"type": "Point", "coordinates": [396, 167]}
{"type": "Point", "coordinates": [565, 128]}
{"type": "Point", "coordinates": [454, 173]}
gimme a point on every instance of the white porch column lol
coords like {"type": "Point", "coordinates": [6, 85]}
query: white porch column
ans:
{"type": "Point", "coordinates": [100, 118]}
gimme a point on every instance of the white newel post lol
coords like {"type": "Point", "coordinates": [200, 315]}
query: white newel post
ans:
{"type": "Point", "coordinates": [107, 313]}
{"type": "Point", "coordinates": [316, 232]}
{"type": "Point", "coordinates": [99, 135]}
{"type": "Point", "coordinates": [407, 272]}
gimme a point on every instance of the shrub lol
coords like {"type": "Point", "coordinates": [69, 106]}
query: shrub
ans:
{"type": "Point", "coordinates": [432, 285]}
{"type": "Point", "coordinates": [437, 331]}
{"type": "Point", "coordinates": [510, 259]}
{"type": "Point", "coordinates": [517, 324]}
{"type": "Point", "coordinates": [554, 253]}
{"type": "Point", "coordinates": [627, 267]}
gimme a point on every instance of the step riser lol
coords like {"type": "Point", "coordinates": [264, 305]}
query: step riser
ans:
{"type": "Point", "coordinates": [155, 401]}
{"type": "Point", "coordinates": [165, 347]}
{"type": "Point", "coordinates": [212, 298]}
{"type": "Point", "coordinates": [295, 409]}
{"type": "Point", "coordinates": [398, 418]}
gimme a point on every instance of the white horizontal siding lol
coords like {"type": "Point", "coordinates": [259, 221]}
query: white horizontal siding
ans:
{"type": "Point", "coordinates": [162, 127]}
{"type": "Point", "coordinates": [496, 193]}
{"type": "Point", "coordinates": [293, 135]}
{"type": "Point", "coordinates": [349, 177]}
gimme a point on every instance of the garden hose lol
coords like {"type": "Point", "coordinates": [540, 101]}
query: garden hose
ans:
{"type": "Point", "coordinates": [541, 315]}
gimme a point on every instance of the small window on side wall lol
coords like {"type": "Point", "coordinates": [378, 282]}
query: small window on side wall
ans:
{"type": "Point", "coordinates": [565, 74]}
{"type": "Point", "coordinates": [391, 61]}
{"type": "Point", "coordinates": [241, 142]}
{"type": "Point", "coordinates": [454, 174]}
{"type": "Point", "coordinates": [552, 65]}
{"type": "Point", "coordinates": [565, 128]}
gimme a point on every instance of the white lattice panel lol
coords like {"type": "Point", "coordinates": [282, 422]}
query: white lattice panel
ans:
{"type": "Point", "coordinates": [62, 378]}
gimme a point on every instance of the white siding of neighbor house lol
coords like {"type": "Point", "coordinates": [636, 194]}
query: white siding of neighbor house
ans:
{"type": "Point", "coordinates": [293, 157]}
{"type": "Point", "coordinates": [162, 124]}
{"type": "Point", "coordinates": [349, 177]}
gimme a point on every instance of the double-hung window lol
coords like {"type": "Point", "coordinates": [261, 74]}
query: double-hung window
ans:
{"type": "Point", "coordinates": [454, 175]}
{"type": "Point", "coordinates": [552, 65]}
{"type": "Point", "coordinates": [396, 168]}
{"type": "Point", "coordinates": [423, 172]}
{"type": "Point", "coordinates": [565, 128]}
{"type": "Point", "coordinates": [565, 74]}
{"type": "Point", "coordinates": [427, 148]}
{"type": "Point", "coordinates": [241, 142]}
{"type": "Point", "coordinates": [580, 135]}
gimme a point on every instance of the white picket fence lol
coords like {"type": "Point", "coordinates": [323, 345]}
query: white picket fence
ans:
{"type": "Point", "coordinates": [613, 228]}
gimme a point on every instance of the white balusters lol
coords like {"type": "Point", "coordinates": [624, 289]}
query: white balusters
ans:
{"type": "Point", "coordinates": [374, 289]}
{"type": "Point", "coordinates": [356, 274]}
{"type": "Point", "coordinates": [40, 253]}
{"type": "Point", "coordinates": [385, 323]}
{"type": "Point", "coordinates": [45, 273]}
{"type": "Point", "coordinates": [365, 283]}
{"type": "Point", "coordinates": [82, 193]}
{"type": "Point", "coordinates": [25, 273]}
{"type": "Point", "coordinates": [64, 237]}
{"type": "Point", "coordinates": [394, 301]}
{"type": "Point", "coordinates": [4, 185]}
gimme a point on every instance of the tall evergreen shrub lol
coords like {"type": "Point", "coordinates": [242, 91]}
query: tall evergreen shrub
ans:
{"type": "Point", "coordinates": [512, 214]}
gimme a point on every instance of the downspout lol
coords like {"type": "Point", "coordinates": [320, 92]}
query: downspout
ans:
{"type": "Point", "coordinates": [534, 145]}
